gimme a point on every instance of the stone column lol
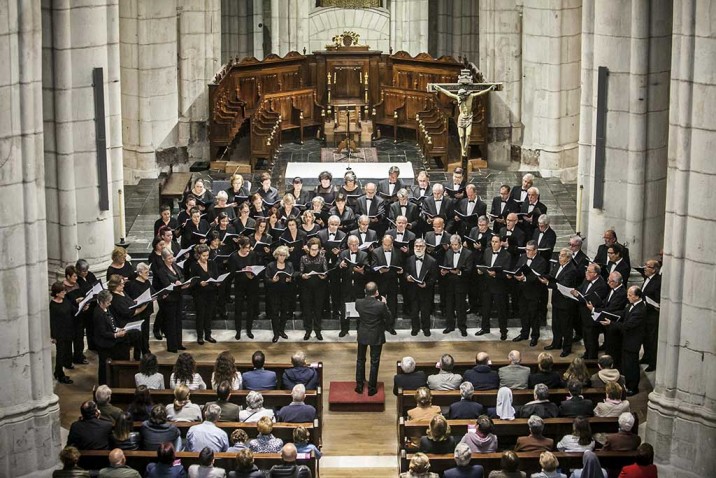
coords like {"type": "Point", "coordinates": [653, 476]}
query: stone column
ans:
{"type": "Point", "coordinates": [632, 39]}
{"type": "Point", "coordinates": [551, 77]}
{"type": "Point", "coordinates": [681, 417]}
{"type": "Point", "coordinates": [409, 26]}
{"type": "Point", "coordinates": [80, 35]}
{"type": "Point", "coordinates": [29, 409]}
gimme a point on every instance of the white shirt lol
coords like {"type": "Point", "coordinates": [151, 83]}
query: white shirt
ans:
{"type": "Point", "coordinates": [502, 206]}
{"type": "Point", "coordinates": [470, 207]}
{"type": "Point", "coordinates": [456, 258]}
{"type": "Point", "coordinates": [438, 239]}
{"type": "Point", "coordinates": [438, 205]}
{"type": "Point", "coordinates": [539, 238]}
{"type": "Point", "coordinates": [559, 271]}
{"type": "Point", "coordinates": [388, 256]}
{"type": "Point", "coordinates": [391, 188]}
{"type": "Point", "coordinates": [419, 265]}
{"type": "Point", "coordinates": [403, 209]}
{"type": "Point", "coordinates": [494, 258]}
{"type": "Point", "coordinates": [353, 256]}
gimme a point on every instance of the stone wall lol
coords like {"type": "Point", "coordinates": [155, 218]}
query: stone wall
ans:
{"type": "Point", "coordinates": [29, 411]}
{"type": "Point", "coordinates": [454, 29]}
{"type": "Point", "coordinates": [372, 24]}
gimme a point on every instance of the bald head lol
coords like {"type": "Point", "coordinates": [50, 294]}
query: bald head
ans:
{"type": "Point", "coordinates": [482, 358]}
{"type": "Point", "coordinates": [116, 458]}
{"type": "Point", "coordinates": [515, 357]}
{"type": "Point", "coordinates": [288, 453]}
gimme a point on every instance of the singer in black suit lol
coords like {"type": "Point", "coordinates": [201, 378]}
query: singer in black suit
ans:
{"type": "Point", "coordinates": [519, 192]}
{"type": "Point", "coordinates": [478, 241]}
{"type": "Point", "coordinates": [530, 290]}
{"type": "Point", "coordinates": [333, 242]}
{"type": "Point", "coordinates": [470, 206]}
{"type": "Point", "coordinates": [388, 188]}
{"type": "Point", "coordinates": [580, 261]}
{"type": "Point", "coordinates": [615, 302]}
{"type": "Point", "coordinates": [564, 309]}
{"type": "Point", "coordinates": [373, 315]}
{"type": "Point", "coordinates": [372, 206]}
{"type": "Point", "coordinates": [421, 292]}
{"type": "Point", "coordinates": [404, 207]}
{"type": "Point", "coordinates": [616, 262]}
{"type": "Point", "coordinates": [651, 289]}
{"type": "Point", "coordinates": [458, 261]}
{"type": "Point", "coordinates": [438, 205]}
{"type": "Point", "coordinates": [593, 290]}
{"type": "Point", "coordinates": [495, 291]}
{"type": "Point", "coordinates": [501, 206]}
{"type": "Point", "coordinates": [531, 210]}
{"type": "Point", "coordinates": [363, 233]}
{"type": "Point", "coordinates": [387, 262]}
{"type": "Point", "coordinates": [610, 237]}
{"type": "Point", "coordinates": [353, 265]}
{"type": "Point", "coordinates": [632, 329]}
{"type": "Point", "coordinates": [170, 301]}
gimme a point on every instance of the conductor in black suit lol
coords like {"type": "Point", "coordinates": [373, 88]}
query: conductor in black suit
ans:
{"type": "Point", "coordinates": [373, 315]}
{"type": "Point", "coordinates": [632, 328]}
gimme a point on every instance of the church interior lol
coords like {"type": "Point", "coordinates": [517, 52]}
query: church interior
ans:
{"type": "Point", "coordinates": [115, 108]}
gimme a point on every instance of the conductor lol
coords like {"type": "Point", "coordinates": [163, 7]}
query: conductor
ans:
{"type": "Point", "coordinates": [373, 315]}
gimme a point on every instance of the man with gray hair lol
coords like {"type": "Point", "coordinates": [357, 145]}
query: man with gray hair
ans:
{"type": "Point", "coordinates": [514, 375]}
{"type": "Point", "coordinates": [519, 193]}
{"type": "Point", "coordinates": [207, 434]}
{"type": "Point", "coordinates": [531, 210]}
{"type": "Point", "coordinates": [624, 439]}
{"type": "Point", "coordinates": [540, 406]}
{"type": "Point", "coordinates": [445, 379]}
{"type": "Point", "coordinates": [297, 411]}
{"type": "Point", "coordinates": [535, 441]}
{"type": "Point", "coordinates": [466, 408]}
{"type": "Point", "coordinates": [301, 372]}
{"type": "Point", "coordinates": [409, 379]}
{"type": "Point", "coordinates": [102, 397]}
{"type": "Point", "coordinates": [464, 469]}
{"type": "Point", "coordinates": [118, 467]}
{"type": "Point", "coordinates": [457, 273]}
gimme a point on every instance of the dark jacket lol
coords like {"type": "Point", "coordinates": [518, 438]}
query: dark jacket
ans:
{"type": "Point", "coordinates": [308, 376]}
{"type": "Point", "coordinates": [551, 379]}
{"type": "Point", "coordinates": [541, 409]}
{"type": "Point", "coordinates": [409, 381]}
{"type": "Point", "coordinates": [160, 470]}
{"type": "Point", "coordinates": [289, 470]}
{"type": "Point", "coordinates": [465, 410]}
{"type": "Point", "coordinates": [575, 407]}
{"type": "Point", "coordinates": [482, 377]}
{"type": "Point", "coordinates": [154, 435]}
{"type": "Point", "coordinates": [373, 316]}
{"type": "Point", "coordinates": [469, 471]}
{"type": "Point", "coordinates": [259, 379]}
{"type": "Point", "coordinates": [90, 434]}
{"type": "Point", "coordinates": [296, 413]}
{"type": "Point", "coordinates": [253, 473]}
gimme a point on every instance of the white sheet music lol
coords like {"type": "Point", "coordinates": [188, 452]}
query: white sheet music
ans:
{"type": "Point", "coordinates": [565, 291]}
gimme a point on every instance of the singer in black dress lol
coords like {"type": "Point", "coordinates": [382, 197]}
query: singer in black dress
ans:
{"type": "Point", "coordinates": [134, 288]}
{"type": "Point", "coordinates": [170, 301]}
{"type": "Point", "coordinates": [246, 286]}
{"type": "Point", "coordinates": [279, 291]}
{"type": "Point", "coordinates": [62, 318]}
{"type": "Point", "coordinates": [121, 306]}
{"type": "Point", "coordinates": [313, 287]}
{"type": "Point", "coordinates": [204, 293]}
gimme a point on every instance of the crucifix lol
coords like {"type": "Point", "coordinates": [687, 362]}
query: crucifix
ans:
{"type": "Point", "coordinates": [464, 92]}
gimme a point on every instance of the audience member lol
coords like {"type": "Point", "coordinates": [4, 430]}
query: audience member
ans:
{"type": "Point", "coordinates": [445, 379]}
{"type": "Point", "coordinates": [229, 411]}
{"type": "Point", "coordinates": [606, 374]}
{"type": "Point", "coordinates": [438, 439]}
{"type": "Point", "coordinates": [185, 373]}
{"type": "Point", "coordinates": [580, 439]}
{"type": "Point", "coordinates": [410, 379]}
{"type": "Point", "coordinates": [540, 406]}
{"type": "Point", "coordinates": [259, 378]}
{"type": "Point", "coordinates": [576, 405]}
{"type": "Point", "coordinates": [481, 375]}
{"type": "Point", "coordinates": [535, 441]}
{"type": "Point", "coordinates": [503, 409]}
{"type": "Point", "coordinates": [166, 465]}
{"type": "Point", "coordinates": [545, 374]}
{"type": "Point", "coordinates": [118, 467]}
{"type": "Point", "coordinates": [466, 408]}
{"type": "Point", "coordinates": [288, 466]}
{"type": "Point", "coordinates": [205, 468]}
{"type": "Point", "coordinates": [483, 440]}
{"type": "Point", "coordinates": [591, 468]}
{"type": "Point", "coordinates": [70, 456]}
{"type": "Point", "coordinates": [463, 468]}
{"type": "Point", "coordinates": [181, 409]}
{"type": "Point", "coordinates": [149, 374]}
{"type": "Point", "coordinates": [613, 405]}
{"type": "Point", "coordinates": [509, 467]}
{"type": "Point", "coordinates": [123, 435]}
{"type": "Point", "coordinates": [297, 411]}
{"type": "Point", "coordinates": [254, 408]}
{"type": "Point", "coordinates": [207, 434]}
{"type": "Point", "coordinates": [141, 405]}
{"type": "Point", "coordinates": [301, 373]}
{"type": "Point", "coordinates": [514, 375]}
{"type": "Point", "coordinates": [157, 430]}
{"type": "Point", "coordinates": [301, 437]}
{"type": "Point", "coordinates": [90, 432]}
{"type": "Point", "coordinates": [225, 370]}
{"type": "Point", "coordinates": [624, 439]}
{"type": "Point", "coordinates": [577, 370]}
{"type": "Point", "coordinates": [245, 467]}
{"type": "Point", "coordinates": [239, 441]}
{"type": "Point", "coordinates": [425, 410]}
{"type": "Point", "coordinates": [419, 467]}
{"type": "Point", "coordinates": [102, 397]}
{"type": "Point", "coordinates": [549, 463]}
{"type": "Point", "coordinates": [265, 442]}
{"type": "Point", "coordinates": [644, 466]}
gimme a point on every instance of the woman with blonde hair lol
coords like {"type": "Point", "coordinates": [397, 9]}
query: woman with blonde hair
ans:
{"type": "Point", "coordinates": [613, 405]}
{"type": "Point", "coordinates": [279, 291]}
{"type": "Point", "coordinates": [549, 463]}
{"type": "Point", "coordinates": [419, 467]}
{"type": "Point", "coordinates": [425, 410]}
{"type": "Point", "coordinates": [225, 370]}
{"type": "Point", "coordinates": [265, 442]}
{"type": "Point", "coordinates": [181, 409]}
{"type": "Point", "coordinates": [301, 437]}
{"type": "Point", "coordinates": [438, 438]}
{"type": "Point", "coordinates": [577, 371]}
{"type": "Point", "coordinates": [120, 265]}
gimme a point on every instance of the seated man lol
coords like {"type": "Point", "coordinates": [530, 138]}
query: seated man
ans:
{"type": "Point", "coordinates": [205, 468]}
{"type": "Point", "coordinates": [90, 432]}
{"type": "Point", "coordinates": [607, 373]}
{"type": "Point", "coordinates": [576, 405]}
{"type": "Point", "coordinates": [301, 373]}
{"type": "Point", "coordinates": [297, 411]}
{"type": "Point", "coordinates": [535, 441]}
{"type": "Point", "coordinates": [258, 378]}
{"type": "Point", "coordinates": [410, 379]}
{"type": "Point", "coordinates": [481, 375]}
{"type": "Point", "coordinates": [288, 465]}
{"type": "Point", "coordinates": [540, 406]}
{"type": "Point", "coordinates": [102, 397]}
{"type": "Point", "coordinates": [229, 411]}
{"type": "Point", "coordinates": [464, 469]}
{"type": "Point", "coordinates": [624, 439]}
{"type": "Point", "coordinates": [118, 467]}
{"type": "Point", "coordinates": [207, 434]}
{"type": "Point", "coordinates": [465, 409]}
{"type": "Point", "coordinates": [514, 375]}
{"type": "Point", "coordinates": [445, 379]}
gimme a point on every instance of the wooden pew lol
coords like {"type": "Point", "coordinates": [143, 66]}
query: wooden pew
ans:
{"type": "Point", "coordinates": [265, 134]}
{"type": "Point", "coordinates": [462, 366]}
{"type": "Point", "coordinates": [298, 109]}
{"type": "Point", "coordinates": [172, 187]}
{"type": "Point", "coordinates": [120, 373]}
{"type": "Point", "coordinates": [398, 107]}
{"type": "Point", "coordinates": [529, 462]}
{"type": "Point", "coordinates": [96, 459]}
{"type": "Point", "coordinates": [433, 133]}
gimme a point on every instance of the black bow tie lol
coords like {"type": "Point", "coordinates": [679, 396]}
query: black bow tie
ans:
{"type": "Point", "coordinates": [471, 202]}
{"type": "Point", "coordinates": [503, 202]}
{"type": "Point", "coordinates": [495, 253]}
{"type": "Point", "coordinates": [419, 259]}
{"type": "Point", "coordinates": [332, 236]}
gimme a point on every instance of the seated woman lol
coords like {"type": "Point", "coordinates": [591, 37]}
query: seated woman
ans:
{"type": "Point", "coordinates": [70, 456]}
{"type": "Point", "coordinates": [225, 369]}
{"type": "Point", "coordinates": [123, 436]}
{"type": "Point", "coordinates": [245, 467]}
{"type": "Point", "coordinates": [591, 468]}
{"type": "Point", "coordinates": [157, 430]}
{"type": "Point", "coordinates": [545, 374]}
{"type": "Point", "coordinates": [438, 439]}
{"type": "Point", "coordinates": [613, 405]}
{"type": "Point", "coordinates": [301, 438]}
{"type": "Point", "coordinates": [148, 374]}
{"type": "Point", "coordinates": [419, 467]}
{"type": "Point", "coordinates": [255, 408]}
{"type": "Point", "coordinates": [483, 440]}
{"type": "Point", "coordinates": [182, 410]}
{"type": "Point", "coordinates": [580, 439]}
{"type": "Point", "coordinates": [185, 373]}
{"type": "Point", "coordinates": [239, 441]}
{"type": "Point", "coordinates": [643, 467]}
{"type": "Point", "coordinates": [141, 405]}
{"type": "Point", "coordinates": [205, 468]}
{"type": "Point", "coordinates": [509, 467]}
{"type": "Point", "coordinates": [577, 371]}
{"type": "Point", "coordinates": [265, 442]}
{"type": "Point", "coordinates": [549, 463]}
{"type": "Point", "coordinates": [166, 465]}
{"type": "Point", "coordinates": [425, 411]}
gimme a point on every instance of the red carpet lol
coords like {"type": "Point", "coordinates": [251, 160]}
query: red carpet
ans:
{"type": "Point", "coordinates": [343, 398]}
